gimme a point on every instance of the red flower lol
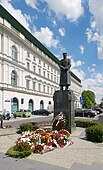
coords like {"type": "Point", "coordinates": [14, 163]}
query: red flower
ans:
{"type": "Point", "coordinates": [38, 148]}
{"type": "Point", "coordinates": [64, 132]}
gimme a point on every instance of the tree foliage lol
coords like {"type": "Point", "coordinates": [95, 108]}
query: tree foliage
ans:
{"type": "Point", "coordinates": [89, 99]}
{"type": "Point", "coordinates": [101, 104]}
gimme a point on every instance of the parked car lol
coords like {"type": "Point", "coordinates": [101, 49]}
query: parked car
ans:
{"type": "Point", "coordinates": [85, 113]}
{"type": "Point", "coordinates": [41, 112]}
{"type": "Point", "coordinates": [22, 113]}
{"type": "Point", "coordinates": [89, 113]}
{"type": "Point", "coordinates": [99, 110]}
{"type": "Point", "coordinates": [79, 112]}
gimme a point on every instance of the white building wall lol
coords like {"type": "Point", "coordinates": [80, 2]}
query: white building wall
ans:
{"type": "Point", "coordinates": [0, 42]}
{"type": "Point", "coordinates": [12, 37]}
{"type": "Point", "coordinates": [0, 71]}
{"type": "Point", "coordinates": [0, 100]}
{"type": "Point", "coordinates": [36, 100]}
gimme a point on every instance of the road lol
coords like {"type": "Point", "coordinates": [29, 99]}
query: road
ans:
{"type": "Point", "coordinates": [39, 119]}
{"type": "Point", "coordinates": [34, 118]}
{"type": "Point", "coordinates": [100, 118]}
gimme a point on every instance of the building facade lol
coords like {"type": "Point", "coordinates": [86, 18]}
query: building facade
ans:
{"type": "Point", "coordinates": [29, 72]}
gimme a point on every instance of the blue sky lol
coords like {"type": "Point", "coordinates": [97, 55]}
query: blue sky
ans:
{"type": "Point", "coordinates": [72, 26]}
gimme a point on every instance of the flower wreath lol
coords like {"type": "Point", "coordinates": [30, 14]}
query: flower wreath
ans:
{"type": "Point", "coordinates": [60, 121]}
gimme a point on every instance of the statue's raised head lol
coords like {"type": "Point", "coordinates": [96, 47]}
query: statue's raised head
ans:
{"type": "Point", "coordinates": [64, 55]}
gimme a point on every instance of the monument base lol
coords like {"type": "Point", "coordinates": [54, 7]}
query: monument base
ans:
{"type": "Point", "coordinates": [72, 128]}
{"type": "Point", "coordinates": [64, 102]}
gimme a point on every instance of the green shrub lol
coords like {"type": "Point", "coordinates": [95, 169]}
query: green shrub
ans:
{"type": "Point", "coordinates": [18, 154]}
{"type": "Point", "coordinates": [25, 127]}
{"type": "Point", "coordinates": [31, 126]}
{"type": "Point", "coordinates": [85, 123]}
{"type": "Point", "coordinates": [95, 133]}
{"type": "Point", "coordinates": [12, 153]}
{"type": "Point", "coordinates": [35, 126]}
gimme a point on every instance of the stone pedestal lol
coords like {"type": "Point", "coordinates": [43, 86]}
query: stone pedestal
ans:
{"type": "Point", "coordinates": [64, 102]}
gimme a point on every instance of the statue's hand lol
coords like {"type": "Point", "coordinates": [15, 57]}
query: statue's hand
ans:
{"type": "Point", "coordinates": [66, 68]}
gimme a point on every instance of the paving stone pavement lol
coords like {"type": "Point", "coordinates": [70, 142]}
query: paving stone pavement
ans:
{"type": "Point", "coordinates": [82, 155]}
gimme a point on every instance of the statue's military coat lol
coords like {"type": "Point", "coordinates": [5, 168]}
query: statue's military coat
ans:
{"type": "Point", "coordinates": [65, 78]}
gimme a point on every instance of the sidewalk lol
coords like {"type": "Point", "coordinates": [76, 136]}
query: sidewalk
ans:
{"type": "Point", "coordinates": [82, 152]}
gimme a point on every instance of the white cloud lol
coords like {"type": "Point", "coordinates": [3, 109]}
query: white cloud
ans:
{"type": "Point", "coordinates": [95, 84]}
{"type": "Point", "coordinates": [32, 3]}
{"type": "Point", "coordinates": [81, 49]}
{"type": "Point", "coordinates": [89, 34]}
{"type": "Point", "coordinates": [96, 9]}
{"type": "Point", "coordinates": [54, 22]}
{"type": "Point", "coordinates": [93, 24]}
{"type": "Point", "coordinates": [45, 35]}
{"type": "Point", "coordinates": [91, 69]}
{"type": "Point", "coordinates": [76, 70]}
{"type": "Point", "coordinates": [22, 18]}
{"type": "Point", "coordinates": [62, 31]}
{"type": "Point", "coordinates": [95, 32]}
{"type": "Point", "coordinates": [76, 63]}
{"type": "Point", "coordinates": [99, 78]}
{"type": "Point", "coordinates": [72, 10]}
{"type": "Point", "coordinates": [94, 36]}
{"type": "Point", "coordinates": [79, 73]}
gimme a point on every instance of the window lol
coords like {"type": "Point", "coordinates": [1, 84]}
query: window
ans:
{"type": "Point", "coordinates": [41, 104]}
{"type": "Point", "coordinates": [22, 100]}
{"type": "Point", "coordinates": [39, 71]}
{"type": "Point", "coordinates": [27, 84]}
{"type": "Point", "coordinates": [39, 61]}
{"type": "Point", "coordinates": [14, 79]}
{"type": "Point", "coordinates": [48, 75]}
{"type": "Point", "coordinates": [28, 54]}
{"type": "Point", "coordinates": [34, 69]}
{"type": "Point", "coordinates": [44, 88]}
{"type": "Point", "coordinates": [28, 65]}
{"type": "Point", "coordinates": [44, 64]}
{"type": "Point", "coordinates": [34, 86]}
{"type": "Point", "coordinates": [55, 78]}
{"type": "Point", "coordinates": [14, 53]}
{"type": "Point", "coordinates": [44, 73]}
{"type": "Point", "coordinates": [33, 58]}
{"type": "Point", "coordinates": [39, 87]}
{"type": "Point", "coordinates": [51, 77]}
{"type": "Point", "coordinates": [51, 90]}
{"type": "Point", "coordinates": [48, 89]}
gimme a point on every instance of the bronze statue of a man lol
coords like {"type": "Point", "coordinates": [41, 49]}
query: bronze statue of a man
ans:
{"type": "Point", "coordinates": [65, 78]}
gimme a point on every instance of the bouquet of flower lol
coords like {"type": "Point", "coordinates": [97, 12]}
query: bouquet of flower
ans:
{"type": "Point", "coordinates": [59, 122]}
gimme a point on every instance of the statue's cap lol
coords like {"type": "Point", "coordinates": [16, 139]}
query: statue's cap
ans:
{"type": "Point", "coordinates": [64, 54]}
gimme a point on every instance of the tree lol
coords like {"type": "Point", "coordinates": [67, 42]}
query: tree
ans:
{"type": "Point", "coordinates": [89, 99]}
{"type": "Point", "coordinates": [101, 104]}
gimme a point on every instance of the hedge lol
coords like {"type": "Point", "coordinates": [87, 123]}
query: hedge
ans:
{"type": "Point", "coordinates": [95, 133]}
{"type": "Point", "coordinates": [85, 123]}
